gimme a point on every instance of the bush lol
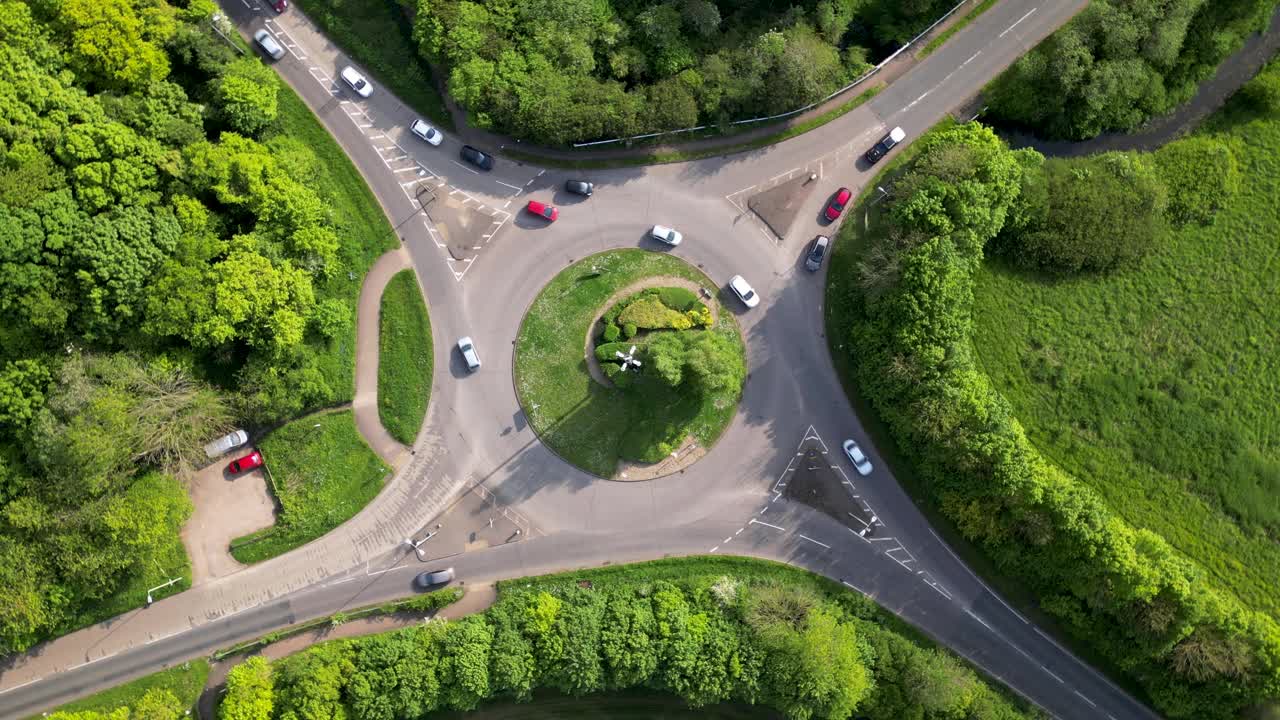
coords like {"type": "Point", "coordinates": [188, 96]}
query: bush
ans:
{"type": "Point", "coordinates": [1100, 212]}
{"type": "Point", "coordinates": [1201, 174]}
{"type": "Point", "coordinates": [611, 333]}
{"type": "Point", "coordinates": [677, 298]}
{"type": "Point", "coordinates": [649, 313]}
{"type": "Point", "coordinates": [434, 600]}
{"type": "Point", "coordinates": [629, 330]}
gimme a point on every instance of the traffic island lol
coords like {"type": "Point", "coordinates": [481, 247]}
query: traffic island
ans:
{"type": "Point", "coordinates": [645, 412]}
{"type": "Point", "coordinates": [779, 205]}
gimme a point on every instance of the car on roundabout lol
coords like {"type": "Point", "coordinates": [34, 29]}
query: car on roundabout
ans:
{"type": "Point", "coordinates": [817, 253]}
{"type": "Point", "coordinates": [836, 204]}
{"type": "Point", "coordinates": [356, 81]}
{"type": "Point", "coordinates": [435, 578]}
{"type": "Point", "coordinates": [542, 210]}
{"type": "Point", "coordinates": [744, 291]}
{"type": "Point", "coordinates": [579, 187]}
{"type": "Point", "coordinates": [860, 461]}
{"type": "Point", "coordinates": [469, 354]}
{"type": "Point", "coordinates": [476, 157]}
{"type": "Point", "coordinates": [664, 234]}
{"type": "Point", "coordinates": [426, 132]}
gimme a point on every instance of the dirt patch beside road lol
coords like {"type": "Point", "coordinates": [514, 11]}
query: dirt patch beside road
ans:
{"type": "Point", "coordinates": [226, 507]}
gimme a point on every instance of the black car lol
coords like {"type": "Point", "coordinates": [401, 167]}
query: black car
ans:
{"type": "Point", "coordinates": [482, 160]}
{"type": "Point", "coordinates": [818, 251]}
{"type": "Point", "coordinates": [579, 187]}
{"type": "Point", "coordinates": [886, 144]}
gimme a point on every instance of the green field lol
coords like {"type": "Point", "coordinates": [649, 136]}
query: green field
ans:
{"type": "Point", "coordinates": [405, 358]}
{"type": "Point", "coordinates": [1158, 385]}
{"type": "Point", "coordinates": [185, 681]}
{"type": "Point", "coordinates": [322, 473]}
{"type": "Point", "coordinates": [584, 422]}
{"type": "Point", "coordinates": [378, 35]}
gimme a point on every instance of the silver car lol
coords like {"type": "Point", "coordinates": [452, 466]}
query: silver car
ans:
{"type": "Point", "coordinates": [744, 291]}
{"type": "Point", "coordinates": [356, 81]}
{"type": "Point", "coordinates": [226, 443]}
{"type": "Point", "coordinates": [667, 235]}
{"type": "Point", "coordinates": [432, 579]}
{"type": "Point", "coordinates": [426, 132]}
{"type": "Point", "coordinates": [269, 44]}
{"type": "Point", "coordinates": [469, 354]}
{"type": "Point", "coordinates": [857, 457]}
{"type": "Point", "coordinates": [817, 253]}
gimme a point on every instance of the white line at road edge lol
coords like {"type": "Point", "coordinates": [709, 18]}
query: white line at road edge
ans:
{"type": "Point", "coordinates": [1019, 22]}
{"type": "Point", "coordinates": [15, 687]}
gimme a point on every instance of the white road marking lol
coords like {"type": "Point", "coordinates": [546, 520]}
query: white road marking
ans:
{"type": "Point", "coordinates": [464, 167]}
{"type": "Point", "coordinates": [739, 532]}
{"type": "Point", "coordinates": [163, 637]}
{"type": "Point", "coordinates": [815, 542]}
{"type": "Point", "coordinates": [1019, 22]}
{"type": "Point", "coordinates": [1085, 698]}
{"type": "Point", "coordinates": [758, 522]}
{"type": "Point", "coordinates": [513, 187]}
{"type": "Point", "coordinates": [90, 662]}
{"type": "Point", "coordinates": [975, 617]}
{"type": "Point", "coordinates": [714, 548]}
{"type": "Point", "coordinates": [984, 585]}
{"type": "Point", "coordinates": [15, 687]}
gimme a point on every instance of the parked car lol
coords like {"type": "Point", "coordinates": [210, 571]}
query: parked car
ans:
{"type": "Point", "coordinates": [434, 578]}
{"type": "Point", "coordinates": [482, 160]}
{"type": "Point", "coordinates": [269, 44]}
{"type": "Point", "coordinates": [859, 459]}
{"type": "Point", "coordinates": [817, 253]}
{"type": "Point", "coordinates": [248, 462]}
{"type": "Point", "coordinates": [886, 144]}
{"type": "Point", "coordinates": [279, 5]}
{"type": "Point", "coordinates": [426, 132]}
{"type": "Point", "coordinates": [542, 210]}
{"type": "Point", "coordinates": [743, 290]}
{"type": "Point", "coordinates": [353, 78]}
{"type": "Point", "coordinates": [667, 235]}
{"type": "Point", "coordinates": [469, 354]}
{"type": "Point", "coordinates": [836, 205]}
{"type": "Point", "coordinates": [226, 443]}
{"type": "Point", "coordinates": [579, 187]}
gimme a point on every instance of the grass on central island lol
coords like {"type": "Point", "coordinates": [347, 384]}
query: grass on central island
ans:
{"type": "Point", "coordinates": [587, 424]}
{"type": "Point", "coordinates": [322, 473]}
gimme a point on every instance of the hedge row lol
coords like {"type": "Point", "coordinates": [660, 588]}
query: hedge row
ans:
{"type": "Point", "coordinates": [1198, 652]}
{"type": "Point", "coordinates": [768, 635]}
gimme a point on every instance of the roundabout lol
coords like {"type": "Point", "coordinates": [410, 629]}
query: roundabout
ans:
{"type": "Point", "coordinates": [596, 411]}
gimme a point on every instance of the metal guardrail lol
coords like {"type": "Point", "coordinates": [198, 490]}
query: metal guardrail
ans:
{"type": "Point", "coordinates": [863, 78]}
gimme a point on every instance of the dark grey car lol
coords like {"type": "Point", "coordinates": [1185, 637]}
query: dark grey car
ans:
{"type": "Point", "coordinates": [480, 159]}
{"type": "Point", "coordinates": [579, 187]}
{"type": "Point", "coordinates": [817, 253]}
{"type": "Point", "coordinates": [434, 578]}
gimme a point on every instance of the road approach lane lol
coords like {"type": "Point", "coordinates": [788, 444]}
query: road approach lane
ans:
{"type": "Point", "coordinates": [475, 429]}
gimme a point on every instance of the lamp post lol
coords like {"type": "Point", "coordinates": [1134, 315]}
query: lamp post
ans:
{"type": "Point", "coordinates": [161, 586]}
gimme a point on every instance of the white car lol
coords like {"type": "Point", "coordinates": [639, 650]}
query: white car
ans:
{"type": "Point", "coordinates": [469, 354]}
{"type": "Point", "coordinates": [743, 290]}
{"type": "Point", "coordinates": [426, 132]}
{"type": "Point", "coordinates": [226, 443]}
{"type": "Point", "coordinates": [352, 77]}
{"type": "Point", "coordinates": [269, 44]}
{"type": "Point", "coordinates": [667, 235]}
{"type": "Point", "coordinates": [857, 457]}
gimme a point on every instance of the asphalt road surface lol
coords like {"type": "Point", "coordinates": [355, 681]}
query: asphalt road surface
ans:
{"type": "Point", "coordinates": [482, 263]}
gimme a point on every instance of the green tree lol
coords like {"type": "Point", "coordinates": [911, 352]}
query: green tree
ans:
{"type": "Point", "coordinates": [22, 391]}
{"type": "Point", "coordinates": [250, 692]}
{"type": "Point", "coordinates": [714, 362]}
{"type": "Point", "coordinates": [665, 357]}
{"type": "Point", "coordinates": [464, 666]}
{"type": "Point", "coordinates": [246, 95]}
{"type": "Point", "coordinates": [111, 44]}
{"type": "Point", "coordinates": [158, 704]}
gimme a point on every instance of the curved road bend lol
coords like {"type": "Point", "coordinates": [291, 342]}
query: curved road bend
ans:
{"type": "Point", "coordinates": [476, 432]}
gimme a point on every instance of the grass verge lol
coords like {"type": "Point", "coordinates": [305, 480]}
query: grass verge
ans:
{"type": "Point", "coordinates": [185, 681]}
{"type": "Point", "coordinates": [675, 156]}
{"type": "Point", "coordinates": [840, 316]}
{"type": "Point", "coordinates": [973, 14]}
{"type": "Point", "coordinates": [587, 424]}
{"type": "Point", "coordinates": [322, 474]}
{"type": "Point", "coordinates": [378, 35]}
{"type": "Point", "coordinates": [311, 153]}
{"type": "Point", "coordinates": [405, 357]}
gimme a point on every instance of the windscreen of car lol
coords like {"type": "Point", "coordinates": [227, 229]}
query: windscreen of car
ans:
{"type": "Point", "coordinates": [748, 294]}
{"type": "Point", "coordinates": [817, 252]}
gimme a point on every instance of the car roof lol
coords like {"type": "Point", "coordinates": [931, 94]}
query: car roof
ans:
{"type": "Point", "coordinates": [897, 134]}
{"type": "Point", "coordinates": [843, 194]}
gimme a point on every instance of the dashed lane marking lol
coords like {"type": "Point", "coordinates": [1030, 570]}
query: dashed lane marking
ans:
{"type": "Point", "coordinates": [1011, 27]}
{"type": "Point", "coordinates": [1052, 674]}
{"type": "Point", "coordinates": [1085, 698]}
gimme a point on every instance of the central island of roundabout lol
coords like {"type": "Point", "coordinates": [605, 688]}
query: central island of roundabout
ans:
{"type": "Point", "coordinates": [627, 366]}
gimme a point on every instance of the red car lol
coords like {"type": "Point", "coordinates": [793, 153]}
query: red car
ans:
{"type": "Point", "coordinates": [543, 210]}
{"type": "Point", "coordinates": [279, 5]}
{"type": "Point", "coordinates": [838, 201]}
{"type": "Point", "coordinates": [248, 462]}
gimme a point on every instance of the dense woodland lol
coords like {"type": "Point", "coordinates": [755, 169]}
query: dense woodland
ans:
{"type": "Point", "coordinates": [787, 642]}
{"type": "Point", "coordinates": [159, 246]}
{"type": "Point", "coordinates": [1125, 591]}
{"type": "Point", "coordinates": [1121, 62]}
{"type": "Point", "coordinates": [559, 71]}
